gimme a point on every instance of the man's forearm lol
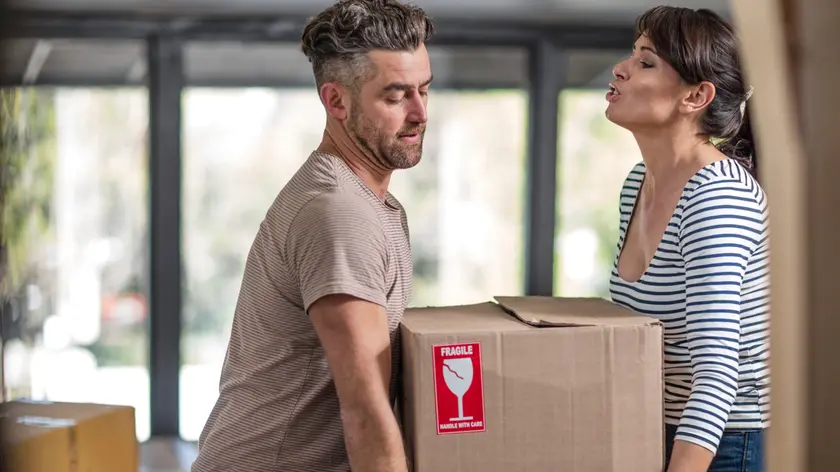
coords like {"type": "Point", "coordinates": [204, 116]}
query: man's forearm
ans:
{"type": "Point", "coordinates": [356, 341]}
{"type": "Point", "coordinates": [373, 438]}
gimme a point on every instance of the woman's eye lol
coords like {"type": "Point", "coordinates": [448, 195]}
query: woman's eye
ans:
{"type": "Point", "coordinates": [646, 65]}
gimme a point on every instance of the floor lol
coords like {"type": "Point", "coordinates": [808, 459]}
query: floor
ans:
{"type": "Point", "coordinates": [166, 455]}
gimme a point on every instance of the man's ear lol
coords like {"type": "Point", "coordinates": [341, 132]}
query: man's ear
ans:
{"type": "Point", "coordinates": [699, 97]}
{"type": "Point", "coordinates": [333, 97]}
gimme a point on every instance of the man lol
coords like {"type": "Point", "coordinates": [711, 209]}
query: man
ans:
{"type": "Point", "coordinates": [310, 375]}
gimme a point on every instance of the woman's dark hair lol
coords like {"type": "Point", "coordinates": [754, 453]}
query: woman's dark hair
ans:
{"type": "Point", "coordinates": [702, 46]}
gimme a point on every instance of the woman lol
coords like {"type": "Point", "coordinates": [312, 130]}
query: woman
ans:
{"type": "Point", "coordinates": [693, 244]}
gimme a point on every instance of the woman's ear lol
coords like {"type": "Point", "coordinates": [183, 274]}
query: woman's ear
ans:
{"type": "Point", "coordinates": [699, 97]}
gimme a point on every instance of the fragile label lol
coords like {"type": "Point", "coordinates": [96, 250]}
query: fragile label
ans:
{"type": "Point", "coordinates": [459, 388]}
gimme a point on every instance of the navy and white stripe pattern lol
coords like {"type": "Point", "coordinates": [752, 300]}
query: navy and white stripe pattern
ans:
{"type": "Point", "coordinates": [709, 284]}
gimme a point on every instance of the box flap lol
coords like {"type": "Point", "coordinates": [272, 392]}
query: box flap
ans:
{"type": "Point", "coordinates": [479, 317]}
{"type": "Point", "coordinates": [570, 312]}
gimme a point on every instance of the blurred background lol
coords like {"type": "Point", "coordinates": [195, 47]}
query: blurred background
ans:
{"type": "Point", "coordinates": [146, 140]}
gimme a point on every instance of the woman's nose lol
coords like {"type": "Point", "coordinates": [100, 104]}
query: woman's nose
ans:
{"type": "Point", "coordinates": [619, 71]}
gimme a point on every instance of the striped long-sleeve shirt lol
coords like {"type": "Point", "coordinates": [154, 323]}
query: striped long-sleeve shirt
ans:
{"type": "Point", "coordinates": [709, 284]}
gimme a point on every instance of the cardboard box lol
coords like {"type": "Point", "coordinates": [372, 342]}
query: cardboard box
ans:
{"type": "Point", "coordinates": [546, 384]}
{"type": "Point", "coordinates": [68, 437]}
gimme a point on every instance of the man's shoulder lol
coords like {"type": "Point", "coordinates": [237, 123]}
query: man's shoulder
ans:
{"type": "Point", "coordinates": [336, 220]}
{"type": "Point", "coordinates": [315, 176]}
{"type": "Point", "coordinates": [319, 189]}
{"type": "Point", "coordinates": [339, 206]}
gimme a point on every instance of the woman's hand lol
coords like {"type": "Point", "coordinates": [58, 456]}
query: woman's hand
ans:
{"type": "Point", "coordinates": [689, 457]}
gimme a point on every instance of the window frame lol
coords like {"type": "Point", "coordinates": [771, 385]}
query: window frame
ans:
{"type": "Point", "coordinates": [546, 47]}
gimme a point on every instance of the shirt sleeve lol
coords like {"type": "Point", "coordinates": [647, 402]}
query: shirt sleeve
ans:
{"type": "Point", "coordinates": [720, 229]}
{"type": "Point", "coordinates": [337, 245]}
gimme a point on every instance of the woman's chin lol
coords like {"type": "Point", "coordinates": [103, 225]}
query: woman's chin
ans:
{"type": "Point", "coordinates": [615, 117]}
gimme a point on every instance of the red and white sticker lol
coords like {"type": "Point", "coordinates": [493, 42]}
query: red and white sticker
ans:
{"type": "Point", "coordinates": [459, 388]}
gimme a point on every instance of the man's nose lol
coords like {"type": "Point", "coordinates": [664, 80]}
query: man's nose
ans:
{"type": "Point", "coordinates": [417, 114]}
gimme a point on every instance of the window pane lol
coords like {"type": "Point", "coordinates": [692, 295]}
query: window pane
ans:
{"type": "Point", "coordinates": [464, 200]}
{"type": "Point", "coordinates": [592, 69]}
{"type": "Point", "coordinates": [595, 156]}
{"type": "Point", "coordinates": [76, 227]}
{"type": "Point", "coordinates": [240, 147]}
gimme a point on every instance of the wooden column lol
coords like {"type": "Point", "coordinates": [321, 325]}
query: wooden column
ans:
{"type": "Point", "coordinates": [792, 59]}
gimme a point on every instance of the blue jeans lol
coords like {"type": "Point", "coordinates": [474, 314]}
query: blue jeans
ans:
{"type": "Point", "coordinates": [739, 450]}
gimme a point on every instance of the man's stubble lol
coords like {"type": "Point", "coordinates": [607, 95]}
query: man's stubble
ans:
{"type": "Point", "coordinates": [386, 151]}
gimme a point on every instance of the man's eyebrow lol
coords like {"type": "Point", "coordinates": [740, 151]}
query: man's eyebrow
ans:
{"type": "Point", "coordinates": [403, 87]}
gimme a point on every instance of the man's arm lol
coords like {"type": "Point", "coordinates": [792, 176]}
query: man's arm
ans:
{"type": "Point", "coordinates": [354, 334]}
{"type": "Point", "coordinates": [338, 249]}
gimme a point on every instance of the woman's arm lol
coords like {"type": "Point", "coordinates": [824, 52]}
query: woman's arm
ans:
{"type": "Point", "coordinates": [689, 457]}
{"type": "Point", "coordinates": [721, 227]}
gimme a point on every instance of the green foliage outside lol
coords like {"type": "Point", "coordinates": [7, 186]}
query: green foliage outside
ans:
{"type": "Point", "coordinates": [27, 150]}
{"type": "Point", "coordinates": [27, 124]}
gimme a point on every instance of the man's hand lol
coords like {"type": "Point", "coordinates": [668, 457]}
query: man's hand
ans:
{"type": "Point", "coordinates": [354, 334]}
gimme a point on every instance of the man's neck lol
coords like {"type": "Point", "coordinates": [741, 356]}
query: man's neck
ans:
{"type": "Point", "coordinates": [337, 143]}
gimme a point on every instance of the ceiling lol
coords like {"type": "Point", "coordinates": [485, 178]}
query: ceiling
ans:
{"type": "Point", "coordinates": [601, 11]}
{"type": "Point", "coordinates": [227, 63]}
{"type": "Point", "coordinates": [231, 63]}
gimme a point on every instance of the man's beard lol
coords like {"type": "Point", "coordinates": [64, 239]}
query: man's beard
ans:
{"type": "Point", "coordinates": [387, 151]}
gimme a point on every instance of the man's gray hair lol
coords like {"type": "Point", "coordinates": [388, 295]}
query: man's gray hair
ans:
{"type": "Point", "coordinates": [337, 40]}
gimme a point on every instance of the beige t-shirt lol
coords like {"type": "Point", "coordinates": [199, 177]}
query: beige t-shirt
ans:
{"type": "Point", "coordinates": [326, 233]}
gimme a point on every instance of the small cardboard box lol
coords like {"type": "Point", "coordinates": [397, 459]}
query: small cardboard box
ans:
{"type": "Point", "coordinates": [68, 437]}
{"type": "Point", "coordinates": [532, 384]}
